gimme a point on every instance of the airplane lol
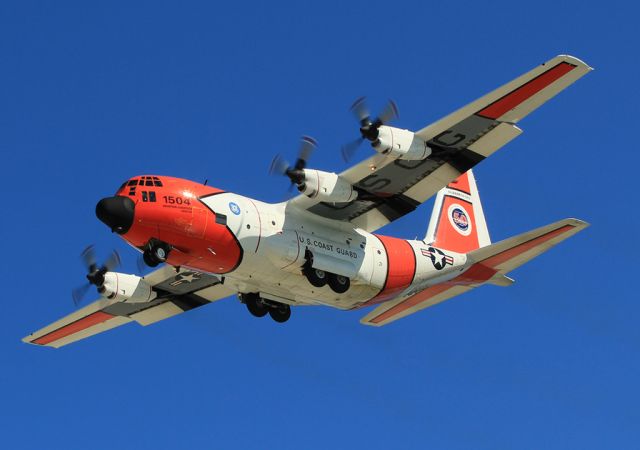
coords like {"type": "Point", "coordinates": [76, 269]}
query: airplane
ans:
{"type": "Point", "coordinates": [320, 247]}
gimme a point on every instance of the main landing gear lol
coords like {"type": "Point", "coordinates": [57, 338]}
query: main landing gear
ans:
{"type": "Point", "coordinates": [318, 278]}
{"type": "Point", "coordinates": [260, 307]}
{"type": "Point", "coordinates": [155, 252]}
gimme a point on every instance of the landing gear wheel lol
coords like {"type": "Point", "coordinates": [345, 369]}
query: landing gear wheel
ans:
{"type": "Point", "coordinates": [160, 252]}
{"type": "Point", "coordinates": [156, 253]}
{"type": "Point", "coordinates": [316, 277]}
{"type": "Point", "coordinates": [149, 259]}
{"type": "Point", "coordinates": [256, 306]}
{"type": "Point", "coordinates": [338, 283]}
{"type": "Point", "coordinates": [280, 313]}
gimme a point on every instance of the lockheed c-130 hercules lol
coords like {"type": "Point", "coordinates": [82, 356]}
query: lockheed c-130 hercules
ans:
{"type": "Point", "coordinates": [319, 248]}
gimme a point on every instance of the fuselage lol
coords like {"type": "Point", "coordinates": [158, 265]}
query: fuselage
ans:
{"type": "Point", "coordinates": [264, 248]}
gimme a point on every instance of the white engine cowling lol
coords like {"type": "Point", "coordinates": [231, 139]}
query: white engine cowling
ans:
{"type": "Point", "coordinates": [127, 288]}
{"type": "Point", "coordinates": [327, 187]}
{"type": "Point", "coordinates": [400, 144]}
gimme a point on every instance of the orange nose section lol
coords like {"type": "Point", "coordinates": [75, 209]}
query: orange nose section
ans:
{"type": "Point", "coordinates": [174, 214]}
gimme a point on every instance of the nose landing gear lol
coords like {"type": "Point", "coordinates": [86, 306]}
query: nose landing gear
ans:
{"type": "Point", "coordinates": [156, 252]}
{"type": "Point", "coordinates": [259, 307]}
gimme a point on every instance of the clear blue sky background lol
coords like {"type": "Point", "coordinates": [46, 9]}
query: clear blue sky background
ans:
{"type": "Point", "coordinates": [91, 94]}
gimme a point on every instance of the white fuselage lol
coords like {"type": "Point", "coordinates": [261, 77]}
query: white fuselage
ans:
{"type": "Point", "coordinates": [275, 239]}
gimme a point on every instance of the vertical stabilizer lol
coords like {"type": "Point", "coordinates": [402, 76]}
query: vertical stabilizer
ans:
{"type": "Point", "coordinates": [457, 221]}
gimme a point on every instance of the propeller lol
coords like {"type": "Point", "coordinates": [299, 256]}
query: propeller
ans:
{"type": "Point", "coordinates": [368, 128]}
{"type": "Point", "coordinates": [295, 173]}
{"type": "Point", "coordinates": [95, 275]}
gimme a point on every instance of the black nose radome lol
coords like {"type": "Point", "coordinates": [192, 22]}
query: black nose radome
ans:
{"type": "Point", "coordinates": [116, 212]}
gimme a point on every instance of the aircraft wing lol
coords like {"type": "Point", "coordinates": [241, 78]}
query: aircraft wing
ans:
{"type": "Point", "coordinates": [389, 188]}
{"type": "Point", "coordinates": [489, 265]}
{"type": "Point", "coordinates": [177, 292]}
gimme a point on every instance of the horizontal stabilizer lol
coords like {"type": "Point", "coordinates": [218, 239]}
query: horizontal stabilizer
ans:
{"type": "Point", "coordinates": [487, 265]}
{"type": "Point", "coordinates": [507, 255]}
{"type": "Point", "coordinates": [501, 280]}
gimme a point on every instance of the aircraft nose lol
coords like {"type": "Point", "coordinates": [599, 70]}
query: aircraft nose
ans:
{"type": "Point", "coordinates": [116, 212]}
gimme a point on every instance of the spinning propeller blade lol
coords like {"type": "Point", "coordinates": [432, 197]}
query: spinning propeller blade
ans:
{"type": "Point", "coordinates": [94, 275]}
{"type": "Point", "coordinates": [295, 173]}
{"type": "Point", "coordinates": [368, 128]}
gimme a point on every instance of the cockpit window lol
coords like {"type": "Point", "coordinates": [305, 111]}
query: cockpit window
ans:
{"type": "Point", "coordinates": [142, 181]}
{"type": "Point", "coordinates": [149, 181]}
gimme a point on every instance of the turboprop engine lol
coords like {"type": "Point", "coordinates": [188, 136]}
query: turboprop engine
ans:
{"type": "Point", "coordinates": [326, 186]}
{"type": "Point", "coordinates": [392, 142]}
{"type": "Point", "coordinates": [400, 144]}
{"type": "Point", "coordinates": [126, 288]}
{"type": "Point", "coordinates": [112, 285]}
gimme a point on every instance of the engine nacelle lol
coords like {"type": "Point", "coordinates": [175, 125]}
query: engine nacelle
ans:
{"type": "Point", "coordinates": [126, 288]}
{"type": "Point", "coordinates": [327, 187]}
{"type": "Point", "coordinates": [400, 144]}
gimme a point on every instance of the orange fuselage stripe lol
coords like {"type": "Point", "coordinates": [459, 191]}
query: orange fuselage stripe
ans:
{"type": "Point", "coordinates": [401, 268]}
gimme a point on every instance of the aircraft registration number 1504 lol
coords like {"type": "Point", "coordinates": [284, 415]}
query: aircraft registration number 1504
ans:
{"type": "Point", "coordinates": [171, 200]}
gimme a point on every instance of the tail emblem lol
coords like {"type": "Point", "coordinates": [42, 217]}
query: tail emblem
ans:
{"type": "Point", "coordinates": [459, 218]}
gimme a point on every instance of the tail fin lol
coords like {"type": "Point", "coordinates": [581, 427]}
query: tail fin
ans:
{"type": "Point", "coordinates": [457, 221]}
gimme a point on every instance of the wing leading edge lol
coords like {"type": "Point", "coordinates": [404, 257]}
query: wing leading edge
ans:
{"type": "Point", "coordinates": [389, 189]}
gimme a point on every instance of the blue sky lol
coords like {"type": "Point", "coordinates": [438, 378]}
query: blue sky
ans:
{"type": "Point", "coordinates": [92, 94]}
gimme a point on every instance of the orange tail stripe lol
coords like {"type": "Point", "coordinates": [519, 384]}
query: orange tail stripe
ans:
{"type": "Point", "coordinates": [79, 325]}
{"type": "Point", "coordinates": [447, 237]}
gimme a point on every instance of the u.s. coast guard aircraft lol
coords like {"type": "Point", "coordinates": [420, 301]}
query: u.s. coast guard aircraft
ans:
{"type": "Point", "coordinates": [320, 248]}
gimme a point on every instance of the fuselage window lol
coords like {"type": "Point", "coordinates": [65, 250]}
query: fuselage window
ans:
{"type": "Point", "coordinates": [221, 219]}
{"type": "Point", "coordinates": [148, 196]}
